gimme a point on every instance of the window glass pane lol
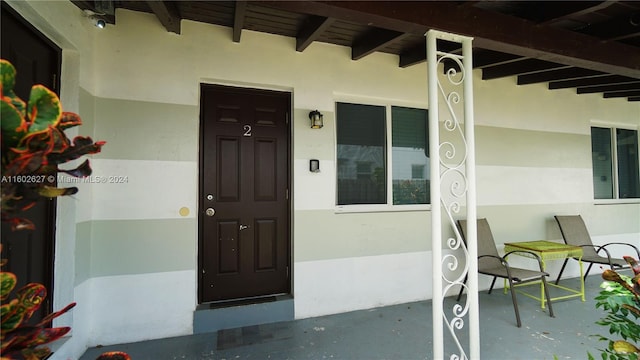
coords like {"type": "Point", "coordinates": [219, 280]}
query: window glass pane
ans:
{"type": "Point", "coordinates": [361, 154]}
{"type": "Point", "coordinates": [602, 163]}
{"type": "Point", "coordinates": [417, 171]}
{"type": "Point", "coordinates": [410, 162]}
{"type": "Point", "coordinates": [627, 146]}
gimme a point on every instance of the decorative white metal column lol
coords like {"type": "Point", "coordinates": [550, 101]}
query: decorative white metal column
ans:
{"type": "Point", "coordinates": [453, 188]}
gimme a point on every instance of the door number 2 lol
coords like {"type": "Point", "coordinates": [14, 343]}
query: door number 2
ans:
{"type": "Point", "coordinates": [247, 130]}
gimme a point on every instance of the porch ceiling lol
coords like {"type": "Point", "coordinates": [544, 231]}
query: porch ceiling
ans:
{"type": "Point", "coordinates": [591, 46]}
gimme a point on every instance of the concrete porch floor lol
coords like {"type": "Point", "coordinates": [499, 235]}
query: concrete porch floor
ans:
{"type": "Point", "coordinates": [398, 332]}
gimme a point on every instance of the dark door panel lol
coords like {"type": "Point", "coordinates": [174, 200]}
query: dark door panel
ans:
{"type": "Point", "coordinates": [37, 61]}
{"type": "Point", "coordinates": [245, 242]}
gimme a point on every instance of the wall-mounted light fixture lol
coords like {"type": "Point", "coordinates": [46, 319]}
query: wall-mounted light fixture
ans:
{"type": "Point", "coordinates": [95, 19]}
{"type": "Point", "coordinates": [316, 119]}
{"type": "Point", "coordinates": [99, 23]}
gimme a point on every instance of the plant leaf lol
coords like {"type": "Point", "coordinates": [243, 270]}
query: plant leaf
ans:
{"type": "Point", "coordinates": [25, 163]}
{"type": "Point", "coordinates": [12, 315]}
{"type": "Point", "coordinates": [8, 281]}
{"type": "Point", "coordinates": [81, 171]}
{"type": "Point", "coordinates": [36, 354]}
{"type": "Point", "coordinates": [7, 85]}
{"type": "Point", "coordinates": [31, 297]}
{"type": "Point", "coordinates": [635, 266]}
{"type": "Point", "coordinates": [69, 120]}
{"type": "Point", "coordinates": [54, 315]}
{"type": "Point", "coordinates": [611, 275]}
{"type": "Point", "coordinates": [44, 109]}
{"type": "Point", "coordinates": [21, 224]}
{"type": "Point", "coordinates": [44, 140]}
{"type": "Point", "coordinates": [623, 347]}
{"type": "Point", "coordinates": [82, 145]}
{"type": "Point", "coordinates": [59, 141]}
{"type": "Point", "coordinates": [8, 75]}
{"type": "Point", "coordinates": [6, 344]}
{"type": "Point", "coordinates": [51, 192]}
{"type": "Point", "coordinates": [13, 123]}
{"type": "Point", "coordinates": [47, 335]}
{"type": "Point", "coordinates": [114, 355]}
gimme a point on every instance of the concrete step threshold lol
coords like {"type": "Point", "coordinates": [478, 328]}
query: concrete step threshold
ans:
{"type": "Point", "coordinates": [212, 317]}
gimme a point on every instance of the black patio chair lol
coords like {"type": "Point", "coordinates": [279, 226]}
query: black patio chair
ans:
{"type": "Point", "coordinates": [574, 232]}
{"type": "Point", "coordinates": [492, 264]}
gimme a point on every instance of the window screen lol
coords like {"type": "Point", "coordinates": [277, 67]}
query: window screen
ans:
{"type": "Point", "coordinates": [602, 163]}
{"type": "Point", "coordinates": [410, 162]}
{"type": "Point", "coordinates": [361, 152]}
{"type": "Point", "coordinates": [628, 178]}
{"type": "Point", "coordinates": [615, 155]}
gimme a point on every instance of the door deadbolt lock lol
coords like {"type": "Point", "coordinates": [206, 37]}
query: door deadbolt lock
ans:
{"type": "Point", "coordinates": [210, 212]}
{"type": "Point", "coordinates": [210, 197]}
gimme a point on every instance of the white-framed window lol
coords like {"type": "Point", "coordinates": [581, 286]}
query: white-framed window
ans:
{"type": "Point", "coordinates": [382, 153]}
{"type": "Point", "coordinates": [615, 160]}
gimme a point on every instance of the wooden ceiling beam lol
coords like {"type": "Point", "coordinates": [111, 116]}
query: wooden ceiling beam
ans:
{"type": "Point", "coordinates": [106, 7]}
{"type": "Point", "coordinates": [615, 28]}
{"type": "Point", "coordinates": [619, 94]}
{"type": "Point", "coordinates": [483, 58]}
{"type": "Point", "coordinates": [413, 56]}
{"type": "Point", "coordinates": [167, 14]}
{"type": "Point", "coordinates": [311, 30]}
{"type": "Point", "coordinates": [609, 88]}
{"type": "Point", "coordinates": [625, 36]}
{"type": "Point", "coordinates": [579, 8]}
{"type": "Point", "coordinates": [557, 75]}
{"type": "Point", "coordinates": [90, 5]}
{"type": "Point", "coordinates": [591, 81]}
{"type": "Point", "coordinates": [525, 66]}
{"type": "Point", "coordinates": [238, 19]}
{"type": "Point", "coordinates": [418, 54]}
{"type": "Point", "coordinates": [491, 30]}
{"type": "Point", "coordinates": [374, 41]}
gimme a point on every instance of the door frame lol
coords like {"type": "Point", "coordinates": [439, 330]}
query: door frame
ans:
{"type": "Point", "coordinates": [289, 176]}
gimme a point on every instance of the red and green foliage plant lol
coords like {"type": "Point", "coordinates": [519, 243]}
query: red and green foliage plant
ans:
{"type": "Point", "coordinates": [620, 298]}
{"type": "Point", "coordinates": [114, 355]}
{"type": "Point", "coordinates": [20, 339]}
{"type": "Point", "coordinates": [34, 145]}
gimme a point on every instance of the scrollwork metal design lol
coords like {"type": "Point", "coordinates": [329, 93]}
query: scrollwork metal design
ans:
{"type": "Point", "coordinates": [453, 192]}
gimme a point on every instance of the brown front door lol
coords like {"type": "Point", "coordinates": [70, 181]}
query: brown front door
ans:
{"type": "Point", "coordinates": [244, 193]}
{"type": "Point", "coordinates": [37, 61]}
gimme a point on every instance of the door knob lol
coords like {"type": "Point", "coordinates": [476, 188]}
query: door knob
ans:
{"type": "Point", "coordinates": [243, 227]}
{"type": "Point", "coordinates": [210, 212]}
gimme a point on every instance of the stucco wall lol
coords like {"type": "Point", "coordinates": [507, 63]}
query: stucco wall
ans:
{"type": "Point", "coordinates": [135, 257]}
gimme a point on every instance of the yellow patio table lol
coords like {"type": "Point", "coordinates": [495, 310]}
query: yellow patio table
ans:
{"type": "Point", "coordinates": [548, 250]}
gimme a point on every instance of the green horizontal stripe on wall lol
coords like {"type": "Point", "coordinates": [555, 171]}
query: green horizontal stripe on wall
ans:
{"type": "Point", "coordinates": [87, 112]}
{"type": "Point", "coordinates": [323, 234]}
{"type": "Point", "coordinates": [140, 130]}
{"type": "Point", "coordinates": [124, 247]}
{"type": "Point", "coordinates": [512, 147]}
{"type": "Point", "coordinates": [83, 252]}
{"type": "Point", "coordinates": [536, 222]}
